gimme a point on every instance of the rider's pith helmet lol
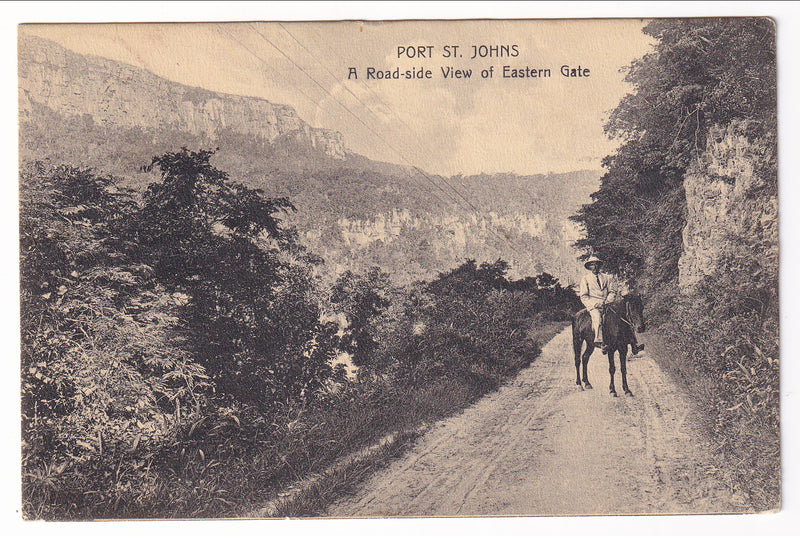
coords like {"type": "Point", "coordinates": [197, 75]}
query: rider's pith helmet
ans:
{"type": "Point", "coordinates": [590, 260]}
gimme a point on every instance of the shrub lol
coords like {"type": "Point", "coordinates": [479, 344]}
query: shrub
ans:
{"type": "Point", "coordinates": [104, 373]}
{"type": "Point", "coordinates": [147, 327]}
{"type": "Point", "coordinates": [468, 325]}
{"type": "Point", "coordinates": [174, 360]}
{"type": "Point", "coordinates": [252, 311]}
{"type": "Point", "coordinates": [727, 333]}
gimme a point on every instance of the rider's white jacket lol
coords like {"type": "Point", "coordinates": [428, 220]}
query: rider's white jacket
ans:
{"type": "Point", "coordinates": [596, 290]}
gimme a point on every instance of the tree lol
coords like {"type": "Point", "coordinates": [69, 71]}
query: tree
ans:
{"type": "Point", "coordinates": [704, 76]}
{"type": "Point", "coordinates": [701, 72]}
{"type": "Point", "coordinates": [251, 307]}
{"type": "Point", "coordinates": [104, 369]}
{"type": "Point", "coordinates": [362, 298]}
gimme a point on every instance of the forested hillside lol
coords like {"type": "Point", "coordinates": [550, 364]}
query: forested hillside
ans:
{"type": "Point", "coordinates": [92, 112]}
{"type": "Point", "coordinates": [688, 209]}
{"type": "Point", "coordinates": [179, 356]}
{"type": "Point", "coordinates": [197, 268]}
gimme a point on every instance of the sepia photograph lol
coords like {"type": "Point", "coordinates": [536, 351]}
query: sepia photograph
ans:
{"type": "Point", "coordinates": [351, 269]}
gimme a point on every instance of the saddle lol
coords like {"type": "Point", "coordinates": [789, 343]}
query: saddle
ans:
{"type": "Point", "coordinates": [602, 311]}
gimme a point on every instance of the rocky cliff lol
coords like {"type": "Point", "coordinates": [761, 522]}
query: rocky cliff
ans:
{"type": "Point", "coordinates": [352, 211]}
{"type": "Point", "coordinates": [731, 203]}
{"type": "Point", "coordinates": [415, 246]}
{"type": "Point", "coordinates": [122, 96]}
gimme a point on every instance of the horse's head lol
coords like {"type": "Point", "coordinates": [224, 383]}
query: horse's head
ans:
{"type": "Point", "coordinates": [634, 309]}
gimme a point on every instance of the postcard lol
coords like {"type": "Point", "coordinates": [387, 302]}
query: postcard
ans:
{"type": "Point", "coordinates": [385, 269]}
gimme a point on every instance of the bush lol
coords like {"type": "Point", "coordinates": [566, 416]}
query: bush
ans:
{"type": "Point", "coordinates": [104, 372]}
{"type": "Point", "coordinates": [727, 333]}
{"type": "Point", "coordinates": [148, 326]}
{"type": "Point", "coordinates": [252, 309]}
{"type": "Point", "coordinates": [469, 326]}
{"type": "Point", "coordinates": [174, 358]}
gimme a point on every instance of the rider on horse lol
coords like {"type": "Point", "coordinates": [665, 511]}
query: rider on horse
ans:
{"type": "Point", "coordinates": [597, 290]}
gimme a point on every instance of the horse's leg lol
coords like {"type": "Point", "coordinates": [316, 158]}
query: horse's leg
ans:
{"type": "Point", "coordinates": [623, 369]}
{"type": "Point", "coordinates": [586, 354]}
{"type": "Point", "coordinates": [577, 342]}
{"type": "Point", "coordinates": [611, 371]}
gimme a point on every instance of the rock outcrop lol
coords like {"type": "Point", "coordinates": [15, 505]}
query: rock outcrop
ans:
{"type": "Point", "coordinates": [119, 95]}
{"type": "Point", "coordinates": [352, 211]}
{"type": "Point", "coordinates": [731, 203]}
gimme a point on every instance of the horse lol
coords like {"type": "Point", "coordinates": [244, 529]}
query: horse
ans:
{"type": "Point", "coordinates": [619, 321]}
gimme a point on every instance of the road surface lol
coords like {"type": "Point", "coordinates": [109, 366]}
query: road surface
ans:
{"type": "Point", "coordinates": [541, 446]}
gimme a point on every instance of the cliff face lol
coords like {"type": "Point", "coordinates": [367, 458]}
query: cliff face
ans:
{"type": "Point", "coordinates": [354, 221]}
{"type": "Point", "coordinates": [352, 211]}
{"type": "Point", "coordinates": [732, 204]}
{"type": "Point", "coordinates": [121, 96]}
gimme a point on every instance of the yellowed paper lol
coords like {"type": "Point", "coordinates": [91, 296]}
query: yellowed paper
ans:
{"type": "Point", "coordinates": [338, 269]}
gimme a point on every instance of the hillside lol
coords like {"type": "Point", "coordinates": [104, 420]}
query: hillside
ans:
{"type": "Point", "coordinates": [689, 208]}
{"type": "Point", "coordinates": [352, 211]}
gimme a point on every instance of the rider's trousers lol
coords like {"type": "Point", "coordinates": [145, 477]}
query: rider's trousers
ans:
{"type": "Point", "coordinates": [593, 305]}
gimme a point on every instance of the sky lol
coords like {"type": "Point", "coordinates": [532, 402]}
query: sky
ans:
{"type": "Point", "coordinates": [441, 125]}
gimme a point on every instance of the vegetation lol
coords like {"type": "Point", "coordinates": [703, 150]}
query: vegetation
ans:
{"type": "Point", "coordinates": [177, 360]}
{"type": "Point", "coordinates": [469, 326]}
{"type": "Point", "coordinates": [702, 73]}
{"type": "Point", "coordinates": [342, 205]}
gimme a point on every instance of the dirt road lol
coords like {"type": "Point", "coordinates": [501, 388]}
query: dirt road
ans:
{"type": "Point", "coordinates": [541, 446]}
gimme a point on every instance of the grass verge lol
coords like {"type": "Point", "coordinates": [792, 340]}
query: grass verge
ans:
{"type": "Point", "coordinates": [310, 496]}
{"type": "Point", "coordinates": [727, 360]}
